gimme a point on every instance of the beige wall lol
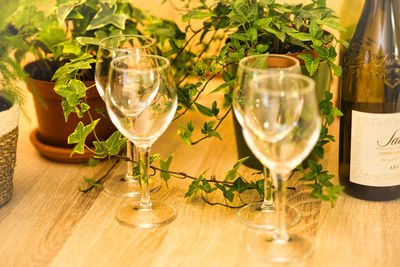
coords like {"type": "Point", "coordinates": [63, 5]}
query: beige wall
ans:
{"type": "Point", "coordinates": [168, 11]}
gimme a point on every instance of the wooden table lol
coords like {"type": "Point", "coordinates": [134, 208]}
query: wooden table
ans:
{"type": "Point", "coordinates": [48, 222]}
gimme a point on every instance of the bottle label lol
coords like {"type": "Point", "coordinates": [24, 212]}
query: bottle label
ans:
{"type": "Point", "coordinates": [375, 149]}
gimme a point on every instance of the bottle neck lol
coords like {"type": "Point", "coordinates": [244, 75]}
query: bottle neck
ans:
{"type": "Point", "coordinates": [373, 6]}
{"type": "Point", "coordinates": [379, 21]}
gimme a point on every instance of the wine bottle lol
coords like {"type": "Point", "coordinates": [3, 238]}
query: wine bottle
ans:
{"type": "Point", "coordinates": [369, 148]}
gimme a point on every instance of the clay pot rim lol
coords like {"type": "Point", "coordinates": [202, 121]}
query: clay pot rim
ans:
{"type": "Point", "coordinates": [40, 89]}
{"type": "Point", "coordinates": [55, 153]}
{"type": "Point", "coordinates": [90, 94]}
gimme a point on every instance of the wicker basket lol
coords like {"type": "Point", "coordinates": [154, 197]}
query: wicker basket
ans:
{"type": "Point", "coordinates": [8, 148]}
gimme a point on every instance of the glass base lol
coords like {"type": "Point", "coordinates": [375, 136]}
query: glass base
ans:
{"type": "Point", "coordinates": [267, 249]}
{"type": "Point", "coordinates": [135, 215]}
{"type": "Point", "coordinates": [266, 218]}
{"type": "Point", "coordinates": [117, 186]}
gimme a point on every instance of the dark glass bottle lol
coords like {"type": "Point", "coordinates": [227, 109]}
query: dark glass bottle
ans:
{"type": "Point", "coordinates": [369, 149]}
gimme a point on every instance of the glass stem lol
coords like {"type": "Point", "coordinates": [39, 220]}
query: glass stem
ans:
{"type": "Point", "coordinates": [144, 177]}
{"type": "Point", "coordinates": [130, 154]}
{"type": "Point", "coordinates": [278, 179]}
{"type": "Point", "coordinates": [268, 202]}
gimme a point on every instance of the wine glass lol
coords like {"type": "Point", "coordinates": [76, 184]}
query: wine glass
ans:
{"type": "Point", "coordinates": [261, 215]}
{"type": "Point", "coordinates": [283, 124]}
{"type": "Point", "coordinates": [122, 184]}
{"type": "Point", "coordinates": [141, 99]}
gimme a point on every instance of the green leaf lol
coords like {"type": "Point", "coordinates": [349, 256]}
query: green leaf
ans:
{"type": "Point", "coordinates": [164, 166]}
{"type": "Point", "coordinates": [64, 9]}
{"type": "Point", "coordinates": [333, 23]}
{"type": "Point", "coordinates": [302, 36]}
{"type": "Point", "coordinates": [280, 35]}
{"type": "Point", "coordinates": [52, 36]}
{"type": "Point", "coordinates": [228, 99]}
{"type": "Point", "coordinates": [319, 151]}
{"type": "Point", "coordinates": [260, 187]}
{"type": "Point", "coordinates": [219, 88]}
{"type": "Point", "coordinates": [215, 108]}
{"type": "Point", "coordinates": [280, 8]}
{"type": "Point", "coordinates": [67, 109]}
{"type": "Point", "coordinates": [239, 36]}
{"type": "Point", "coordinates": [72, 92]}
{"type": "Point", "coordinates": [206, 187]}
{"type": "Point", "coordinates": [337, 112]}
{"type": "Point", "coordinates": [228, 194]}
{"type": "Point", "coordinates": [265, 2]}
{"type": "Point", "coordinates": [194, 14]}
{"type": "Point", "coordinates": [152, 158]}
{"type": "Point", "coordinates": [261, 48]}
{"type": "Point", "coordinates": [224, 50]}
{"type": "Point", "coordinates": [332, 53]}
{"type": "Point", "coordinates": [87, 40]}
{"type": "Point", "coordinates": [84, 107]}
{"type": "Point", "coordinates": [315, 167]}
{"type": "Point", "coordinates": [204, 110]}
{"type": "Point", "coordinates": [190, 126]}
{"type": "Point", "coordinates": [208, 129]}
{"type": "Point", "coordinates": [227, 76]}
{"type": "Point", "coordinates": [200, 68]}
{"type": "Point", "coordinates": [315, 30]}
{"type": "Point", "coordinates": [251, 34]}
{"type": "Point", "coordinates": [215, 134]}
{"type": "Point", "coordinates": [231, 174]}
{"type": "Point", "coordinates": [337, 70]}
{"type": "Point", "coordinates": [322, 51]}
{"type": "Point", "coordinates": [310, 176]}
{"type": "Point", "coordinates": [194, 186]}
{"type": "Point", "coordinates": [263, 23]}
{"type": "Point", "coordinates": [100, 151]}
{"type": "Point", "coordinates": [311, 63]}
{"type": "Point", "coordinates": [78, 137]}
{"type": "Point", "coordinates": [80, 63]}
{"type": "Point", "coordinates": [343, 42]}
{"type": "Point", "coordinates": [112, 145]}
{"type": "Point", "coordinates": [93, 162]}
{"type": "Point", "coordinates": [187, 132]}
{"type": "Point", "coordinates": [165, 30]}
{"type": "Point", "coordinates": [240, 186]}
{"type": "Point", "coordinates": [107, 15]}
{"type": "Point", "coordinates": [90, 181]}
{"type": "Point", "coordinates": [71, 47]}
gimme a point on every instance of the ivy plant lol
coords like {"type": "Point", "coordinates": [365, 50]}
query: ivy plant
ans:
{"type": "Point", "coordinates": [229, 31]}
{"type": "Point", "coordinates": [254, 27]}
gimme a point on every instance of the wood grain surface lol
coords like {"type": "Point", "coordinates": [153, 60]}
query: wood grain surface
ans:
{"type": "Point", "coordinates": [49, 223]}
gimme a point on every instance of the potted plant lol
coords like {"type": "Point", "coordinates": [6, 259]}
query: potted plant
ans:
{"type": "Point", "coordinates": [294, 30]}
{"type": "Point", "coordinates": [251, 27]}
{"type": "Point", "coordinates": [10, 99]}
{"type": "Point", "coordinates": [257, 27]}
{"type": "Point", "coordinates": [64, 43]}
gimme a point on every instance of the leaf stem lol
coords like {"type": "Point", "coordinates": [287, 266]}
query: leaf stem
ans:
{"type": "Point", "coordinates": [216, 127]}
{"type": "Point", "coordinates": [197, 96]}
{"type": "Point", "coordinates": [101, 178]}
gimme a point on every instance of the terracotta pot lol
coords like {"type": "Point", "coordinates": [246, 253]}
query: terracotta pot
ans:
{"type": "Point", "coordinates": [53, 131]}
